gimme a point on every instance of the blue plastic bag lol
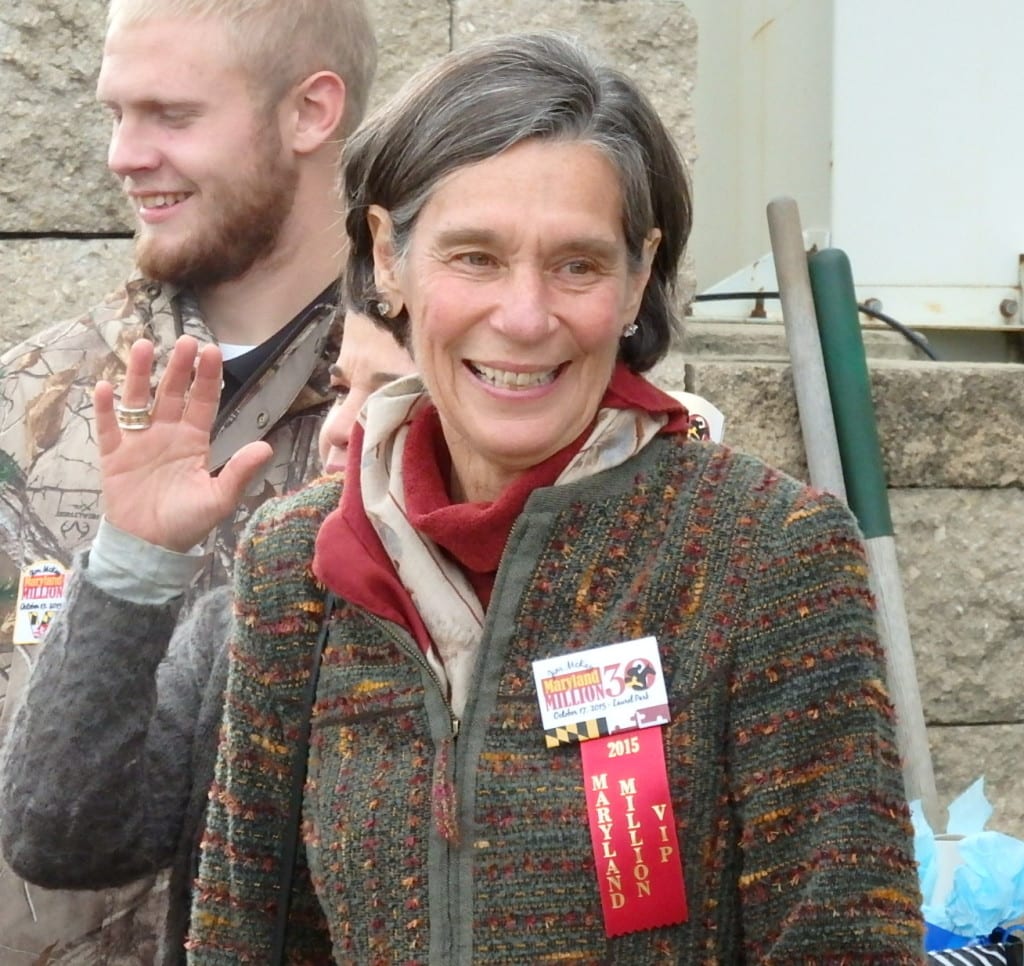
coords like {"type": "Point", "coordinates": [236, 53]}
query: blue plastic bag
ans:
{"type": "Point", "coordinates": [986, 887]}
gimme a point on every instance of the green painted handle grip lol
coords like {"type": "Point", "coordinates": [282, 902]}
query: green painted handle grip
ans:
{"type": "Point", "coordinates": [846, 370]}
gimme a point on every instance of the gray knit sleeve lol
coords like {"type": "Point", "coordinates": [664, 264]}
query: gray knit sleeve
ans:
{"type": "Point", "coordinates": [828, 863]}
{"type": "Point", "coordinates": [98, 766]}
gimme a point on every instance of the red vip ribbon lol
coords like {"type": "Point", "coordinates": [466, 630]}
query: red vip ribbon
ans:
{"type": "Point", "coordinates": [633, 832]}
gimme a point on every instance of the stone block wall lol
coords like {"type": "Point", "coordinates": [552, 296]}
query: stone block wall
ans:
{"type": "Point", "coordinates": [953, 443]}
{"type": "Point", "coordinates": [64, 228]}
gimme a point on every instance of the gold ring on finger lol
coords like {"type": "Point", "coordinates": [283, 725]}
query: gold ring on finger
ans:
{"type": "Point", "coordinates": [133, 419]}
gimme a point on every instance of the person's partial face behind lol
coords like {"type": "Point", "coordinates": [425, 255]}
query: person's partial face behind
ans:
{"type": "Point", "coordinates": [518, 287]}
{"type": "Point", "coordinates": [369, 358]}
{"type": "Point", "coordinates": [200, 159]}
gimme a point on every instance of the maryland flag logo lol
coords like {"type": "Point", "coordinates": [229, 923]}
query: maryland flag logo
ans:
{"type": "Point", "coordinates": [572, 734]}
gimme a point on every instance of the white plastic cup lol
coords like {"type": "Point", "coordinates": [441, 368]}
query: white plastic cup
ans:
{"type": "Point", "coordinates": [948, 859]}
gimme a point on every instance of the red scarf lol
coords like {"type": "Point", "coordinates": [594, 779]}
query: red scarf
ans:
{"type": "Point", "coordinates": [351, 560]}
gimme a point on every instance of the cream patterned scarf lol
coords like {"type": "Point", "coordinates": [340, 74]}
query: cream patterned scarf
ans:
{"type": "Point", "coordinates": [440, 591]}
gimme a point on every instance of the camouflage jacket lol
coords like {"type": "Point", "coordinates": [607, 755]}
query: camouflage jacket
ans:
{"type": "Point", "coordinates": [50, 506]}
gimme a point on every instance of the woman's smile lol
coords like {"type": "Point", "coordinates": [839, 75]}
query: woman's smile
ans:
{"type": "Point", "coordinates": [518, 285]}
{"type": "Point", "coordinates": [515, 379]}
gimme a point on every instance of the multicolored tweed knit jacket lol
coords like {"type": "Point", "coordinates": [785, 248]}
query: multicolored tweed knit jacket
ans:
{"type": "Point", "coordinates": [781, 757]}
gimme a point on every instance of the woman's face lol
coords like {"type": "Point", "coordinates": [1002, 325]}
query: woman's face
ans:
{"type": "Point", "coordinates": [518, 287]}
{"type": "Point", "coordinates": [369, 358]}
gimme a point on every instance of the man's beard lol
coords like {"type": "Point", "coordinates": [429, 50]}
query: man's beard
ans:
{"type": "Point", "coordinates": [241, 225]}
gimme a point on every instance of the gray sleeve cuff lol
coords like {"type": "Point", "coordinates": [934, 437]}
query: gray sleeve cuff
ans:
{"type": "Point", "coordinates": [128, 567]}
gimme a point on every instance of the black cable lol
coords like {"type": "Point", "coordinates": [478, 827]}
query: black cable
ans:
{"type": "Point", "coordinates": [915, 338]}
{"type": "Point", "coordinates": [734, 296]}
{"type": "Point", "coordinates": [909, 334]}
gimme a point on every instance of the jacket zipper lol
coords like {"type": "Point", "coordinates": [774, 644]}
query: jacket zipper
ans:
{"type": "Point", "coordinates": [410, 648]}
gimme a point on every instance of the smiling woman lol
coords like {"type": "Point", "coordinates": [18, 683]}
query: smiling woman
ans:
{"type": "Point", "coordinates": [522, 287]}
{"type": "Point", "coordinates": [529, 552]}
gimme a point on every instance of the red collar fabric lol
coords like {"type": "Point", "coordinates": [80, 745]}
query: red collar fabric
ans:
{"type": "Point", "coordinates": [350, 559]}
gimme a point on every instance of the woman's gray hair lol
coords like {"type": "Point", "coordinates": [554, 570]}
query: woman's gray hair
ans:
{"type": "Point", "coordinates": [484, 99]}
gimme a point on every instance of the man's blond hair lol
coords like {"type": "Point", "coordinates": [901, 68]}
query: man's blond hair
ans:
{"type": "Point", "coordinates": [282, 42]}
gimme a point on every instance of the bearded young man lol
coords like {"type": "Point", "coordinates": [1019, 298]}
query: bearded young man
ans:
{"type": "Point", "coordinates": [227, 122]}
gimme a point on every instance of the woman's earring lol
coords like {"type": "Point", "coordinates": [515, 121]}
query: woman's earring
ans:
{"type": "Point", "coordinates": [383, 308]}
{"type": "Point", "coordinates": [630, 330]}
